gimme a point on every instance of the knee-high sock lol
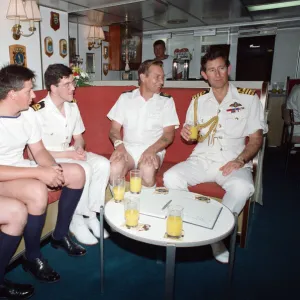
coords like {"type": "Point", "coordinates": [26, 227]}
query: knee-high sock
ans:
{"type": "Point", "coordinates": [32, 236]}
{"type": "Point", "coordinates": [67, 204]}
{"type": "Point", "coordinates": [8, 245]}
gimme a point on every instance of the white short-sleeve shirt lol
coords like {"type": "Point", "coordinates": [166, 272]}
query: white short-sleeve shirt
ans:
{"type": "Point", "coordinates": [15, 134]}
{"type": "Point", "coordinates": [57, 130]}
{"type": "Point", "coordinates": [240, 115]}
{"type": "Point", "coordinates": [143, 121]}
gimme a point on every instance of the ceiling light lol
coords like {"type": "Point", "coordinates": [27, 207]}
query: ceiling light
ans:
{"type": "Point", "coordinates": [204, 32]}
{"type": "Point", "coordinates": [273, 5]}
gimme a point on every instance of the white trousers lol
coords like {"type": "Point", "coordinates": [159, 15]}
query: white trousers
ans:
{"type": "Point", "coordinates": [97, 169]}
{"type": "Point", "coordinates": [238, 185]}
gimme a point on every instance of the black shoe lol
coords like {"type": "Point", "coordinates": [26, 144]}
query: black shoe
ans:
{"type": "Point", "coordinates": [68, 245]}
{"type": "Point", "coordinates": [10, 290]}
{"type": "Point", "coordinates": [41, 270]}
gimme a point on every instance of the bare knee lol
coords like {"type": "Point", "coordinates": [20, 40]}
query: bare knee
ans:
{"type": "Point", "coordinates": [148, 175]}
{"type": "Point", "coordinates": [74, 176]}
{"type": "Point", "coordinates": [116, 169]}
{"type": "Point", "coordinates": [17, 218]}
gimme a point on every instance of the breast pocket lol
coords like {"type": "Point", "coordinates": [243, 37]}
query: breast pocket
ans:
{"type": "Point", "coordinates": [235, 124]}
{"type": "Point", "coordinates": [154, 120]}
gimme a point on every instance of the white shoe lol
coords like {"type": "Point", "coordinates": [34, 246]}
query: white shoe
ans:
{"type": "Point", "coordinates": [94, 225]}
{"type": "Point", "coordinates": [220, 252]}
{"type": "Point", "coordinates": [80, 230]}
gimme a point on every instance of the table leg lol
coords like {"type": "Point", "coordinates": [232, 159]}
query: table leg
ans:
{"type": "Point", "coordinates": [232, 247]}
{"type": "Point", "coordinates": [170, 271]}
{"type": "Point", "coordinates": [101, 243]}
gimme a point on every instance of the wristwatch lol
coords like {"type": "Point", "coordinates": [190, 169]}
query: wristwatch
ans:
{"type": "Point", "coordinates": [117, 143]}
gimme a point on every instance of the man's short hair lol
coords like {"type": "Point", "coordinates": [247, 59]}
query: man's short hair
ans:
{"type": "Point", "coordinates": [55, 73]}
{"type": "Point", "coordinates": [145, 66]}
{"type": "Point", "coordinates": [159, 42]}
{"type": "Point", "coordinates": [213, 53]}
{"type": "Point", "coordinates": [12, 77]}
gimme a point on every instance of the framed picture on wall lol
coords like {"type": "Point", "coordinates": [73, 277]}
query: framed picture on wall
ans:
{"type": "Point", "coordinates": [48, 45]}
{"type": "Point", "coordinates": [63, 48]}
{"type": "Point", "coordinates": [17, 55]}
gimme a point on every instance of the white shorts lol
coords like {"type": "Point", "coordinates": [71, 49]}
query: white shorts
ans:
{"type": "Point", "coordinates": [136, 152]}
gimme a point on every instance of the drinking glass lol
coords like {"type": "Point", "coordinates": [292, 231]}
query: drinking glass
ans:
{"type": "Point", "coordinates": [132, 211]}
{"type": "Point", "coordinates": [135, 181]}
{"type": "Point", "coordinates": [194, 130]}
{"type": "Point", "coordinates": [118, 188]}
{"type": "Point", "coordinates": [174, 221]}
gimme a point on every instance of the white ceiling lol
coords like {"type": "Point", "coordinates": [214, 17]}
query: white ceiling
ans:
{"type": "Point", "coordinates": [156, 15]}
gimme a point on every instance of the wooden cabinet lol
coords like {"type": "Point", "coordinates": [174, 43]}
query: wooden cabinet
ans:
{"type": "Point", "coordinates": [117, 46]}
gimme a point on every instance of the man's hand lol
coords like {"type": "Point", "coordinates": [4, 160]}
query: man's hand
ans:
{"type": "Point", "coordinates": [231, 166]}
{"type": "Point", "coordinates": [186, 132]}
{"type": "Point", "coordinates": [80, 151]}
{"type": "Point", "coordinates": [51, 176]}
{"type": "Point", "coordinates": [149, 157]}
{"type": "Point", "coordinates": [119, 154]}
{"type": "Point", "coordinates": [76, 155]}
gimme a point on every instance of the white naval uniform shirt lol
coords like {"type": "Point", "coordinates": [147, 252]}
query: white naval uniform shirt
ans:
{"type": "Point", "coordinates": [57, 130]}
{"type": "Point", "coordinates": [143, 121]}
{"type": "Point", "coordinates": [239, 116]}
{"type": "Point", "coordinates": [15, 134]}
{"type": "Point", "coordinates": [293, 102]}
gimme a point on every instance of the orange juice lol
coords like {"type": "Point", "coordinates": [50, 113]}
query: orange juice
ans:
{"type": "Point", "coordinates": [194, 133]}
{"type": "Point", "coordinates": [174, 226]}
{"type": "Point", "coordinates": [135, 184]}
{"type": "Point", "coordinates": [119, 192]}
{"type": "Point", "coordinates": [131, 217]}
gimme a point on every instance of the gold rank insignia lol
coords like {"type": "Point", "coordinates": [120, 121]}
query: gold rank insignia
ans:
{"type": "Point", "coordinates": [246, 91]}
{"type": "Point", "coordinates": [74, 101]}
{"type": "Point", "coordinates": [165, 95]}
{"type": "Point", "coordinates": [38, 106]}
{"type": "Point", "coordinates": [200, 94]}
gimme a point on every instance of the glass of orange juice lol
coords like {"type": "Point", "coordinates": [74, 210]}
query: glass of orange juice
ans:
{"type": "Point", "coordinates": [193, 130]}
{"type": "Point", "coordinates": [135, 181]}
{"type": "Point", "coordinates": [118, 188]}
{"type": "Point", "coordinates": [174, 221]}
{"type": "Point", "coordinates": [132, 211]}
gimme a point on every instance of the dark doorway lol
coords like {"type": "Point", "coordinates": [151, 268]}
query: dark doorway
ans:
{"type": "Point", "coordinates": [255, 58]}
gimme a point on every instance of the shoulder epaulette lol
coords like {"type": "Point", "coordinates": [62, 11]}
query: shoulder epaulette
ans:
{"type": "Point", "coordinates": [165, 95]}
{"type": "Point", "coordinates": [127, 92]}
{"type": "Point", "coordinates": [246, 91]}
{"type": "Point", "coordinates": [38, 106]}
{"type": "Point", "coordinates": [200, 94]}
{"type": "Point", "coordinates": [74, 101]}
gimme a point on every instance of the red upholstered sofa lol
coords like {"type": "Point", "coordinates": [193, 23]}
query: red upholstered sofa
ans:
{"type": "Point", "coordinates": [94, 103]}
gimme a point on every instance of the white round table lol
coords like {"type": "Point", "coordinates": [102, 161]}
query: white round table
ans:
{"type": "Point", "coordinates": [193, 235]}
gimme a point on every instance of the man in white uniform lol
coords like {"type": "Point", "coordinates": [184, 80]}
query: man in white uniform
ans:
{"type": "Point", "coordinates": [225, 116]}
{"type": "Point", "coordinates": [61, 121]}
{"type": "Point", "coordinates": [293, 102]}
{"type": "Point", "coordinates": [27, 183]}
{"type": "Point", "coordinates": [149, 119]}
{"type": "Point", "coordinates": [159, 48]}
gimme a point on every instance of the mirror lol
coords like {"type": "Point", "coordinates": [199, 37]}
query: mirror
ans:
{"type": "Point", "coordinates": [90, 63]}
